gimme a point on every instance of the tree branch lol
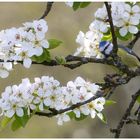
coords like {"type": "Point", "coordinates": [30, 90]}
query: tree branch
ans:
{"type": "Point", "coordinates": [55, 112]}
{"type": "Point", "coordinates": [103, 93]}
{"type": "Point", "coordinates": [108, 8]}
{"type": "Point", "coordinates": [118, 130]}
{"type": "Point", "coordinates": [84, 60]}
{"type": "Point", "coordinates": [137, 111]}
{"type": "Point", "coordinates": [47, 10]}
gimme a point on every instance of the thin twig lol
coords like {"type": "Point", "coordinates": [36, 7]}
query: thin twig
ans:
{"type": "Point", "coordinates": [118, 130]}
{"type": "Point", "coordinates": [47, 10]}
{"type": "Point", "coordinates": [132, 43]}
{"type": "Point", "coordinates": [110, 93]}
{"type": "Point", "coordinates": [137, 111]}
{"type": "Point", "coordinates": [132, 120]}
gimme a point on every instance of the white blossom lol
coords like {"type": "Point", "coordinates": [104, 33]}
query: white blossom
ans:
{"type": "Point", "coordinates": [20, 44]}
{"type": "Point", "coordinates": [89, 44]}
{"type": "Point", "coordinates": [62, 118]}
{"type": "Point", "coordinates": [69, 4]}
{"type": "Point", "coordinates": [47, 93]}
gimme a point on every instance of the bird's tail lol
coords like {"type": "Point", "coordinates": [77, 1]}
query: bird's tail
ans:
{"type": "Point", "coordinates": [130, 51]}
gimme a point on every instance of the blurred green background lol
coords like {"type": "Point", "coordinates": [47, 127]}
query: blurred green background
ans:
{"type": "Point", "coordinates": [64, 24]}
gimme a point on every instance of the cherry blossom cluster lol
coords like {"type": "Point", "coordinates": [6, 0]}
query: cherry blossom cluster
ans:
{"type": "Point", "coordinates": [126, 17]}
{"type": "Point", "coordinates": [46, 92]}
{"type": "Point", "coordinates": [89, 43]}
{"type": "Point", "coordinates": [20, 44]}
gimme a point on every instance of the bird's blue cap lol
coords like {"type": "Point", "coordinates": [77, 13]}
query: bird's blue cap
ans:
{"type": "Point", "coordinates": [103, 44]}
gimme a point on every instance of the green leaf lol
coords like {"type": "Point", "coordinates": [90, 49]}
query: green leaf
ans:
{"type": "Point", "coordinates": [109, 102]}
{"type": "Point", "coordinates": [82, 117]}
{"type": "Point", "coordinates": [130, 3]}
{"type": "Point", "coordinates": [138, 99]}
{"type": "Point", "coordinates": [103, 118]}
{"type": "Point", "coordinates": [44, 57]}
{"type": "Point", "coordinates": [124, 38]}
{"type": "Point", "coordinates": [73, 116]}
{"type": "Point", "coordinates": [53, 43]}
{"type": "Point", "coordinates": [15, 125]}
{"type": "Point", "coordinates": [5, 121]}
{"type": "Point", "coordinates": [23, 120]}
{"type": "Point", "coordinates": [60, 60]}
{"type": "Point", "coordinates": [76, 5]}
{"type": "Point", "coordinates": [84, 4]}
{"type": "Point", "coordinates": [138, 26]}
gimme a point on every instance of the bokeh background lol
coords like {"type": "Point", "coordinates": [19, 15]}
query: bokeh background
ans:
{"type": "Point", "coordinates": [64, 24]}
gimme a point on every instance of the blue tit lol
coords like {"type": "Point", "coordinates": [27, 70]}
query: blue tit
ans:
{"type": "Point", "coordinates": [127, 55]}
{"type": "Point", "coordinates": [106, 48]}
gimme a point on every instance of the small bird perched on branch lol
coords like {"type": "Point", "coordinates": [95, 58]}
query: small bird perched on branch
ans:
{"type": "Point", "coordinates": [128, 56]}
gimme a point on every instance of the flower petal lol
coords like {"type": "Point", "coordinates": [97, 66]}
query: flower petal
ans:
{"type": "Point", "coordinates": [19, 112]}
{"type": "Point", "coordinates": [10, 113]}
{"type": "Point", "coordinates": [93, 113]}
{"type": "Point", "coordinates": [133, 29]}
{"type": "Point", "coordinates": [136, 8]}
{"type": "Point", "coordinates": [4, 73]}
{"type": "Point", "coordinates": [123, 31]}
{"type": "Point", "coordinates": [47, 102]}
{"type": "Point", "coordinates": [27, 62]}
{"type": "Point", "coordinates": [66, 118]}
{"type": "Point", "coordinates": [44, 44]}
{"type": "Point", "coordinates": [41, 108]}
{"type": "Point", "coordinates": [128, 7]}
{"type": "Point", "coordinates": [134, 21]}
